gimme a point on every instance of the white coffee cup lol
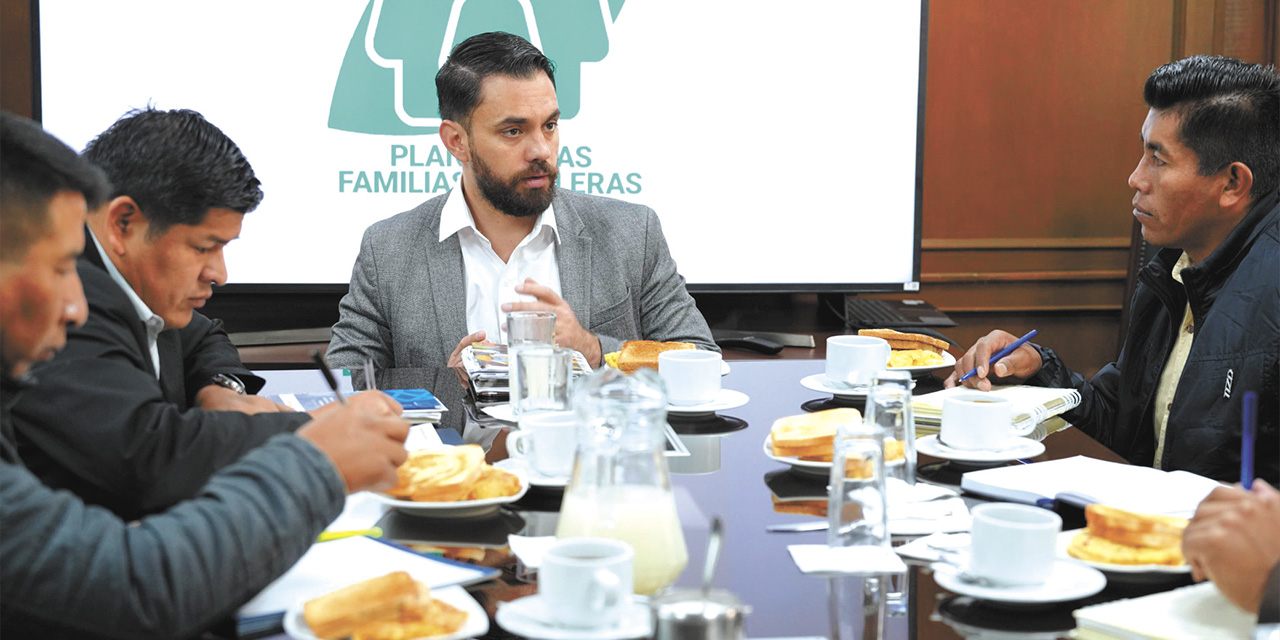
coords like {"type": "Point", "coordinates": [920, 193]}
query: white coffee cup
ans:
{"type": "Point", "coordinates": [692, 376]}
{"type": "Point", "coordinates": [856, 359]}
{"type": "Point", "coordinates": [979, 421]}
{"type": "Point", "coordinates": [1013, 544]}
{"type": "Point", "coordinates": [586, 582]}
{"type": "Point", "coordinates": [546, 441]}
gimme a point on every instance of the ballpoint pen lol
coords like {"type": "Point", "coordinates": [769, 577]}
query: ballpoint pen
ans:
{"type": "Point", "coordinates": [372, 532]}
{"type": "Point", "coordinates": [1000, 354]}
{"type": "Point", "coordinates": [328, 375]}
{"type": "Point", "coordinates": [1249, 413]}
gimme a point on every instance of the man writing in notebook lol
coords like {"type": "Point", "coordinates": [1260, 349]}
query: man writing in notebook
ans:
{"type": "Point", "coordinates": [1234, 540]}
{"type": "Point", "coordinates": [1205, 322]}
{"type": "Point", "coordinates": [70, 570]}
{"type": "Point", "coordinates": [432, 280]}
{"type": "Point", "coordinates": [149, 397]}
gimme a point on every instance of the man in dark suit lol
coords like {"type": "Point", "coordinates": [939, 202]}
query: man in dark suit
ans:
{"type": "Point", "coordinates": [150, 398]}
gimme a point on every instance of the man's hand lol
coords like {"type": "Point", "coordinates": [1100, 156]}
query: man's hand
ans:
{"type": "Point", "coordinates": [1233, 541]}
{"type": "Point", "coordinates": [455, 358]}
{"type": "Point", "coordinates": [1014, 368]}
{"type": "Point", "coordinates": [217, 398]}
{"type": "Point", "coordinates": [375, 401]}
{"type": "Point", "coordinates": [365, 442]}
{"type": "Point", "coordinates": [568, 332]}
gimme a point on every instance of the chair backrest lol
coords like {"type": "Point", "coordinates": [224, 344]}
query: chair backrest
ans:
{"type": "Point", "coordinates": [1140, 253]}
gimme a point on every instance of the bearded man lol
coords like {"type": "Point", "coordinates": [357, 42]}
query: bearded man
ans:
{"type": "Point", "coordinates": [432, 280]}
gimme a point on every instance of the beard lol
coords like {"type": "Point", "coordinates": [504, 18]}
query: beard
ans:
{"type": "Point", "coordinates": [507, 197]}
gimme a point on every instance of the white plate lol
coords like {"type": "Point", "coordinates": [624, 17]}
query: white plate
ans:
{"type": "Point", "coordinates": [727, 399]}
{"type": "Point", "coordinates": [1069, 581]}
{"type": "Point", "coordinates": [948, 360]}
{"type": "Point", "coordinates": [1015, 448]}
{"type": "Point", "coordinates": [1064, 540]}
{"type": "Point", "coordinates": [525, 617]}
{"type": "Point", "coordinates": [536, 479]}
{"type": "Point", "coordinates": [805, 466]}
{"type": "Point", "coordinates": [477, 623]}
{"type": "Point", "coordinates": [459, 509]}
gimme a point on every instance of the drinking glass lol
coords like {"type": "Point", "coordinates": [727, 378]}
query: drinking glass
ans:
{"type": "Point", "coordinates": [540, 379]}
{"type": "Point", "coordinates": [857, 509]}
{"type": "Point", "coordinates": [889, 407]}
{"type": "Point", "coordinates": [526, 329]}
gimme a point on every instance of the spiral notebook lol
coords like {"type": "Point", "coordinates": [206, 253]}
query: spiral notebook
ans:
{"type": "Point", "coordinates": [1037, 404]}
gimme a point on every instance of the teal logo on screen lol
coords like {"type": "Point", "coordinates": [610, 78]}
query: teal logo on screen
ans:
{"type": "Point", "coordinates": [387, 81]}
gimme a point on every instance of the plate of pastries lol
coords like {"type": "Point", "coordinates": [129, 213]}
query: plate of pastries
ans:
{"type": "Point", "coordinates": [1122, 542]}
{"type": "Point", "coordinates": [389, 607]}
{"type": "Point", "coordinates": [914, 352]}
{"type": "Point", "coordinates": [452, 481]}
{"type": "Point", "coordinates": [807, 441]}
{"type": "Point", "coordinates": [643, 354]}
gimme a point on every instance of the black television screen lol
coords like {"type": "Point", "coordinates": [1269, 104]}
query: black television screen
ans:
{"type": "Point", "coordinates": [779, 142]}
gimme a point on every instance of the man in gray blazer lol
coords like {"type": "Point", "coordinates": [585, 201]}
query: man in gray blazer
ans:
{"type": "Point", "coordinates": [429, 281]}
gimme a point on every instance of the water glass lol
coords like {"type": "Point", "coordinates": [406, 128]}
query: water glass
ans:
{"type": "Point", "coordinates": [889, 407]}
{"type": "Point", "coordinates": [857, 509]}
{"type": "Point", "coordinates": [530, 327]}
{"type": "Point", "coordinates": [540, 379]}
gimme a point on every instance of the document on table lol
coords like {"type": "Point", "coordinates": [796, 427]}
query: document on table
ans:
{"type": "Point", "coordinates": [1115, 484]}
{"type": "Point", "coordinates": [1190, 613]}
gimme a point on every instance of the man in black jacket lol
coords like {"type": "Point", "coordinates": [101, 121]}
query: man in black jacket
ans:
{"type": "Point", "coordinates": [1205, 324]}
{"type": "Point", "coordinates": [70, 570]}
{"type": "Point", "coordinates": [149, 398]}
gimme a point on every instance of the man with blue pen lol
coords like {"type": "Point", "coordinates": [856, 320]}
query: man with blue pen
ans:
{"type": "Point", "coordinates": [1205, 322]}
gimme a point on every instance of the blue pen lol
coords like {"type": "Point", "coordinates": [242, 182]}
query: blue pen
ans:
{"type": "Point", "coordinates": [1250, 415]}
{"type": "Point", "coordinates": [1000, 354]}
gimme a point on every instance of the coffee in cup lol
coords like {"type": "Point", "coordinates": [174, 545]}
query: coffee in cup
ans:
{"type": "Point", "coordinates": [978, 421]}
{"type": "Point", "coordinates": [586, 582]}
{"type": "Point", "coordinates": [1013, 544]}
{"type": "Point", "coordinates": [692, 376]}
{"type": "Point", "coordinates": [854, 360]}
{"type": "Point", "coordinates": [546, 441]}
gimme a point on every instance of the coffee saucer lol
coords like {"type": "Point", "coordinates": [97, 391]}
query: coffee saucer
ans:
{"type": "Point", "coordinates": [1068, 581]}
{"type": "Point", "coordinates": [535, 478]}
{"type": "Point", "coordinates": [527, 617]}
{"type": "Point", "coordinates": [1013, 449]}
{"type": "Point", "coordinates": [822, 384]}
{"type": "Point", "coordinates": [727, 399]}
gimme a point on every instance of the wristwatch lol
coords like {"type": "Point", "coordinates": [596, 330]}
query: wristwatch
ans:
{"type": "Point", "coordinates": [228, 381]}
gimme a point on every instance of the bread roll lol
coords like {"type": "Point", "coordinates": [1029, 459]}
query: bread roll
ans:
{"type": "Point", "coordinates": [644, 353]}
{"type": "Point", "coordinates": [1116, 536]}
{"type": "Point", "coordinates": [337, 614]}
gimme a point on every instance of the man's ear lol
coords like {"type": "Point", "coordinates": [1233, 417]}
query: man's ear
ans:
{"type": "Point", "coordinates": [1235, 193]}
{"type": "Point", "coordinates": [454, 137]}
{"type": "Point", "coordinates": [124, 222]}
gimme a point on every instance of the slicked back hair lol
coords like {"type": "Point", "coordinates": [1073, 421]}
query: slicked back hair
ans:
{"type": "Point", "coordinates": [176, 165]}
{"type": "Point", "coordinates": [1230, 112]}
{"type": "Point", "coordinates": [481, 56]}
{"type": "Point", "coordinates": [35, 167]}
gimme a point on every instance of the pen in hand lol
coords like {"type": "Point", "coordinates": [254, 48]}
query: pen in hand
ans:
{"type": "Point", "coordinates": [325, 371]}
{"type": "Point", "coordinates": [1249, 415]}
{"type": "Point", "coordinates": [1000, 354]}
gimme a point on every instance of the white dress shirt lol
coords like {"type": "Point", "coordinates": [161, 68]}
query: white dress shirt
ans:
{"type": "Point", "coordinates": [153, 322]}
{"type": "Point", "coordinates": [490, 282]}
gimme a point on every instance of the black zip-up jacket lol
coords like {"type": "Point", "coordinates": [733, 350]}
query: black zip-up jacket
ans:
{"type": "Point", "coordinates": [1235, 302]}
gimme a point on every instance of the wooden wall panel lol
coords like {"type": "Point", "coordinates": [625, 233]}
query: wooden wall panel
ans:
{"type": "Point", "coordinates": [15, 57]}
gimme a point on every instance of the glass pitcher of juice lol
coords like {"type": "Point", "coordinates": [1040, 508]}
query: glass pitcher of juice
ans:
{"type": "Point", "coordinates": [620, 487]}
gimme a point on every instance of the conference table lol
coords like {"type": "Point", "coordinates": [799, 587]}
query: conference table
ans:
{"type": "Point", "coordinates": [754, 563]}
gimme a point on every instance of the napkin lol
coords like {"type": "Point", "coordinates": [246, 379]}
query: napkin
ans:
{"type": "Point", "coordinates": [921, 508]}
{"type": "Point", "coordinates": [530, 549]}
{"type": "Point", "coordinates": [819, 559]}
{"type": "Point", "coordinates": [501, 412]}
{"type": "Point", "coordinates": [922, 549]}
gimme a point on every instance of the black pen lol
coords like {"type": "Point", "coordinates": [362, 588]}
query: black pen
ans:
{"type": "Point", "coordinates": [328, 374]}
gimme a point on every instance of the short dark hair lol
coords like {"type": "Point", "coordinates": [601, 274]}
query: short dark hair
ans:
{"type": "Point", "coordinates": [481, 56]}
{"type": "Point", "coordinates": [1230, 112]}
{"type": "Point", "coordinates": [176, 165]}
{"type": "Point", "coordinates": [34, 167]}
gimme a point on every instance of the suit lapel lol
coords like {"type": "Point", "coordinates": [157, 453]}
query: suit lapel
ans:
{"type": "Point", "coordinates": [447, 286]}
{"type": "Point", "coordinates": [575, 261]}
{"type": "Point", "coordinates": [172, 382]}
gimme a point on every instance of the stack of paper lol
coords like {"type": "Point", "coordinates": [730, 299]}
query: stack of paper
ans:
{"type": "Point", "coordinates": [1197, 612]}
{"type": "Point", "coordinates": [487, 365]}
{"type": "Point", "coordinates": [1037, 404]}
{"type": "Point", "coordinates": [419, 405]}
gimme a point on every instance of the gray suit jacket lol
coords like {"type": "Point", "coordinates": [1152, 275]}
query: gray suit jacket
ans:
{"type": "Point", "coordinates": [407, 302]}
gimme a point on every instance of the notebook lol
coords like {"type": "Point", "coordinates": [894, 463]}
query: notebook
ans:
{"type": "Point", "coordinates": [419, 404]}
{"type": "Point", "coordinates": [1197, 612]}
{"type": "Point", "coordinates": [1082, 480]}
{"type": "Point", "coordinates": [1037, 404]}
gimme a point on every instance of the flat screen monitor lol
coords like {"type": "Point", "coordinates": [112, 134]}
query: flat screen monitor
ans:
{"type": "Point", "coordinates": [779, 142]}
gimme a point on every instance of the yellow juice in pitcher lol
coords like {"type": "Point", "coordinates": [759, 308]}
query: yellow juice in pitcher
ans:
{"type": "Point", "coordinates": [642, 516]}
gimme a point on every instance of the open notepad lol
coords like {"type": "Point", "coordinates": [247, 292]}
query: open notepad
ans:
{"type": "Point", "coordinates": [1037, 404]}
{"type": "Point", "coordinates": [1197, 612]}
{"type": "Point", "coordinates": [1082, 480]}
